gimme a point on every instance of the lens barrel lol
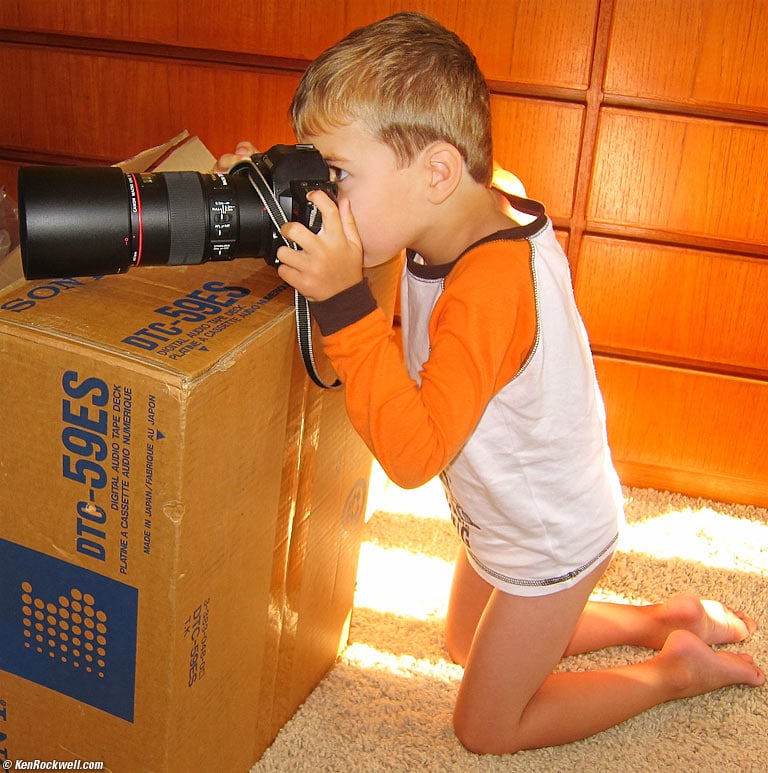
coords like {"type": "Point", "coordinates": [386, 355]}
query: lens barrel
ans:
{"type": "Point", "coordinates": [89, 221]}
{"type": "Point", "coordinates": [73, 221]}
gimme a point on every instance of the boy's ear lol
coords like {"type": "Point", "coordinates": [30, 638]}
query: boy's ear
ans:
{"type": "Point", "coordinates": [445, 166]}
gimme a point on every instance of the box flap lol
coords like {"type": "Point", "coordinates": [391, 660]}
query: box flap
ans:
{"type": "Point", "coordinates": [190, 155]}
{"type": "Point", "coordinates": [10, 269]}
{"type": "Point", "coordinates": [146, 159]}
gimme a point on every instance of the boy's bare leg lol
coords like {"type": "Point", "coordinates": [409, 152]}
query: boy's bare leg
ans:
{"type": "Point", "coordinates": [604, 624]}
{"type": "Point", "coordinates": [469, 595]}
{"type": "Point", "coordinates": [601, 624]}
{"type": "Point", "coordinates": [510, 700]}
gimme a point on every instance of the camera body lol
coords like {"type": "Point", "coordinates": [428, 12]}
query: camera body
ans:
{"type": "Point", "coordinates": [90, 221]}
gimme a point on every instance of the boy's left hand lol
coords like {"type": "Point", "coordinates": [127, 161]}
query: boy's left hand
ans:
{"type": "Point", "coordinates": [330, 261]}
{"type": "Point", "coordinates": [243, 151]}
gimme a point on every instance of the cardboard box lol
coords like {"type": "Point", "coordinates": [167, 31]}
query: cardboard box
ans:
{"type": "Point", "coordinates": [181, 514]}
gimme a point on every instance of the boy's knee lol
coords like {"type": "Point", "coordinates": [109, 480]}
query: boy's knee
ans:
{"type": "Point", "coordinates": [466, 738]}
{"type": "Point", "coordinates": [478, 737]}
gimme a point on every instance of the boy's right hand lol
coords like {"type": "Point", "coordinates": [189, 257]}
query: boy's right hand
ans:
{"type": "Point", "coordinates": [328, 262]}
{"type": "Point", "coordinates": [243, 151]}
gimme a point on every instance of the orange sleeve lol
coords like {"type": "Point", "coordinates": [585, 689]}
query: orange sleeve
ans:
{"type": "Point", "coordinates": [482, 329]}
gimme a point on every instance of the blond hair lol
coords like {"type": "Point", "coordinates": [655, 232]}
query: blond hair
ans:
{"type": "Point", "coordinates": [410, 81]}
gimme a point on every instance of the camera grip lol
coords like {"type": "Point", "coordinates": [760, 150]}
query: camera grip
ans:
{"type": "Point", "coordinates": [303, 210]}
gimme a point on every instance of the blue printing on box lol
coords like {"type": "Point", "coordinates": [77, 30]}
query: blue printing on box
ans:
{"type": "Point", "coordinates": [68, 629]}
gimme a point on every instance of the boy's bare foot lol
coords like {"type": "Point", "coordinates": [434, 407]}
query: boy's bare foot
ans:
{"type": "Point", "coordinates": [711, 621]}
{"type": "Point", "coordinates": [605, 624]}
{"type": "Point", "coordinates": [694, 668]}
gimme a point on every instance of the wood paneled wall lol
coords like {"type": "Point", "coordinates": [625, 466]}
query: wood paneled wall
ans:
{"type": "Point", "coordinates": [643, 127]}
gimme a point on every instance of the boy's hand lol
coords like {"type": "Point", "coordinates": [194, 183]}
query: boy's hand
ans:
{"type": "Point", "coordinates": [243, 151]}
{"type": "Point", "coordinates": [328, 262]}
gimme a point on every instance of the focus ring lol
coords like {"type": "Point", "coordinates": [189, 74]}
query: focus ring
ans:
{"type": "Point", "coordinates": [187, 228]}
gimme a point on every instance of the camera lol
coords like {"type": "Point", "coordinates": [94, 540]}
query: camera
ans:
{"type": "Point", "coordinates": [90, 221]}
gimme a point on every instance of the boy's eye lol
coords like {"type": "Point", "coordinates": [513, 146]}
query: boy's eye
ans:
{"type": "Point", "coordinates": [337, 175]}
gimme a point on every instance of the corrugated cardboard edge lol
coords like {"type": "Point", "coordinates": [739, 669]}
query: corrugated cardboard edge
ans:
{"type": "Point", "coordinates": [145, 160]}
{"type": "Point", "coordinates": [11, 272]}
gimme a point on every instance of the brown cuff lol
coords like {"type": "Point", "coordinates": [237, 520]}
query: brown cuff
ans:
{"type": "Point", "coordinates": [344, 308]}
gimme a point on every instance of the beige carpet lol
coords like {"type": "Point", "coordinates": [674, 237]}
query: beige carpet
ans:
{"type": "Point", "coordinates": [386, 706]}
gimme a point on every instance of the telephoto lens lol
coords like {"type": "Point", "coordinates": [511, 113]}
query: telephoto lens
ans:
{"type": "Point", "coordinates": [90, 221]}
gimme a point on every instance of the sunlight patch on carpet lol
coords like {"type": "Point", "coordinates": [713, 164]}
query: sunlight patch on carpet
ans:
{"type": "Point", "coordinates": [371, 658]}
{"type": "Point", "coordinates": [718, 540]}
{"type": "Point", "coordinates": [402, 583]}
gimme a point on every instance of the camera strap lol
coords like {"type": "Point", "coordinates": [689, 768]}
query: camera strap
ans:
{"type": "Point", "coordinates": [303, 318]}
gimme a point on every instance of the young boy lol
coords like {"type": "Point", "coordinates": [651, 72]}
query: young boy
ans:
{"type": "Point", "coordinates": [491, 386]}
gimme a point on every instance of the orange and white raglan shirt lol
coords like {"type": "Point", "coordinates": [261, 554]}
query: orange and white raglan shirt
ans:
{"type": "Point", "coordinates": [490, 384]}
